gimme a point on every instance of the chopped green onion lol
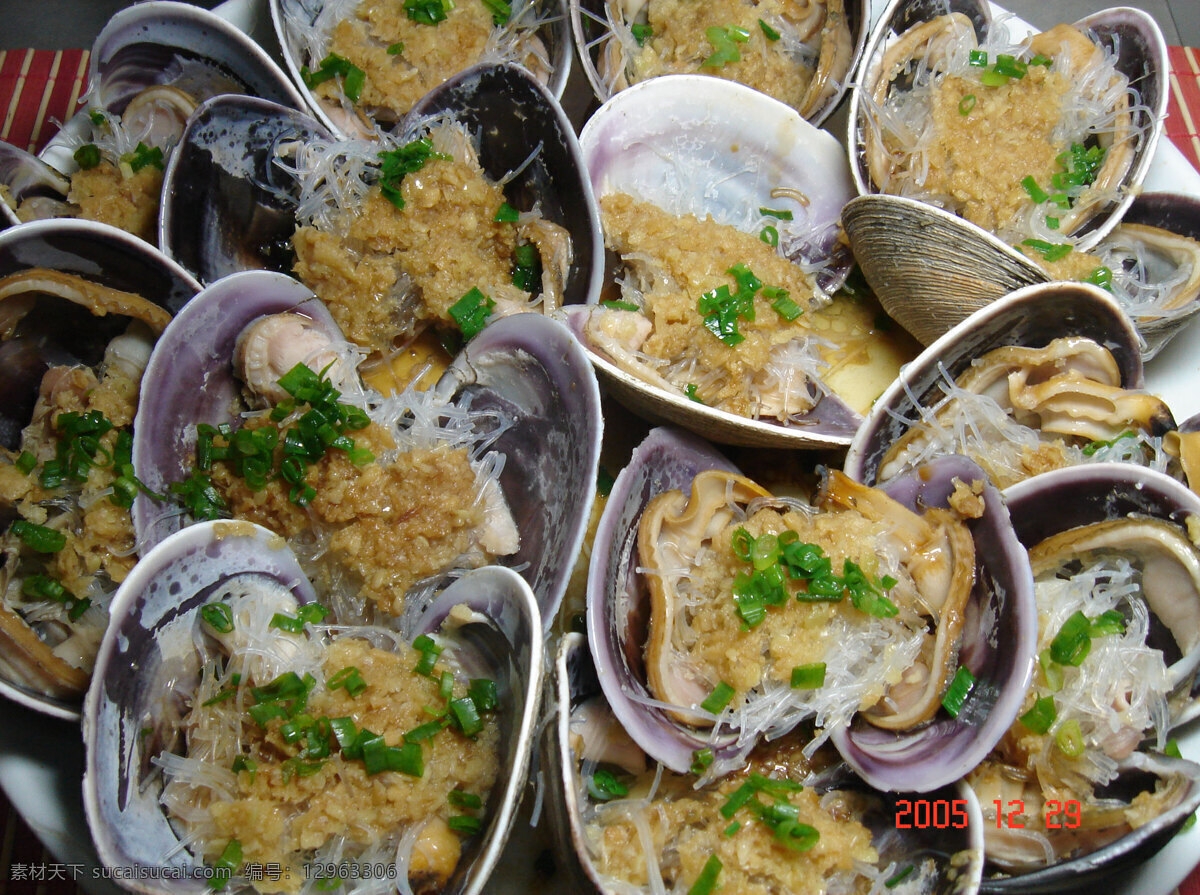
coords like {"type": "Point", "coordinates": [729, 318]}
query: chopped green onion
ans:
{"type": "Point", "coordinates": [429, 653]}
{"type": "Point", "coordinates": [426, 12]}
{"type": "Point", "coordinates": [1048, 250]}
{"type": "Point", "coordinates": [966, 104]}
{"type": "Point", "coordinates": [977, 58]}
{"type": "Point", "coordinates": [1036, 193]}
{"type": "Point", "coordinates": [780, 213]}
{"type": "Point", "coordinates": [1110, 622]}
{"type": "Point", "coordinates": [142, 156]}
{"type": "Point", "coordinates": [350, 678]}
{"type": "Point", "coordinates": [724, 42]}
{"type": "Point", "coordinates": [993, 78]}
{"type": "Point", "coordinates": [1052, 222]}
{"type": "Point", "coordinates": [26, 462]}
{"type": "Point", "coordinates": [1039, 59]}
{"type": "Point", "coordinates": [226, 865]}
{"type": "Point", "coordinates": [1171, 750]}
{"type": "Point", "coordinates": [692, 394]}
{"type": "Point", "coordinates": [720, 697]}
{"type": "Point", "coordinates": [620, 305]}
{"type": "Point", "coordinates": [465, 715]}
{"type": "Point", "coordinates": [506, 214]}
{"type": "Point", "coordinates": [738, 798]}
{"type": "Point", "coordinates": [396, 49]}
{"type": "Point", "coordinates": [38, 538]}
{"type": "Point", "coordinates": [733, 828]}
{"type": "Point", "coordinates": [768, 32]}
{"type": "Point", "coordinates": [1051, 670]}
{"type": "Point", "coordinates": [408, 159]}
{"type": "Point", "coordinates": [706, 882]}
{"type": "Point", "coordinates": [603, 785]}
{"type": "Point", "coordinates": [900, 877]}
{"type": "Point", "coordinates": [702, 759]}
{"type": "Point", "coordinates": [1102, 277]}
{"type": "Point", "coordinates": [468, 800]}
{"type": "Point", "coordinates": [1070, 738]}
{"type": "Point", "coordinates": [87, 156]}
{"type": "Point", "coordinates": [465, 824]}
{"type": "Point", "coordinates": [97, 118]}
{"type": "Point", "coordinates": [808, 677]}
{"type": "Point", "coordinates": [1073, 641]}
{"type": "Point", "coordinates": [218, 616]}
{"type": "Point", "coordinates": [527, 270]}
{"type": "Point", "coordinates": [426, 731]}
{"type": "Point", "coordinates": [501, 11]}
{"type": "Point", "coordinates": [770, 236]}
{"type": "Point", "coordinates": [483, 692]}
{"type": "Point", "coordinates": [642, 33]}
{"type": "Point", "coordinates": [43, 587]}
{"type": "Point", "coordinates": [1040, 718]}
{"type": "Point", "coordinates": [958, 691]}
{"type": "Point", "coordinates": [1010, 66]}
{"type": "Point", "coordinates": [471, 312]}
{"type": "Point", "coordinates": [785, 307]}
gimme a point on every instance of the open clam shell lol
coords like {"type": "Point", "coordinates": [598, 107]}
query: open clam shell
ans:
{"type": "Point", "coordinates": [1146, 516]}
{"type": "Point", "coordinates": [999, 611]}
{"type": "Point", "coordinates": [163, 57]}
{"type": "Point", "coordinates": [229, 206]}
{"type": "Point", "coordinates": [723, 150]}
{"type": "Point", "coordinates": [149, 666]}
{"type": "Point", "coordinates": [957, 852]}
{"type": "Point", "coordinates": [1132, 38]}
{"type": "Point", "coordinates": [526, 369]}
{"type": "Point", "coordinates": [70, 289]}
{"type": "Point", "coordinates": [836, 31]}
{"type": "Point", "coordinates": [188, 47]}
{"type": "Point", "coordinates": [1030, 317]}
{"type": "Point", "coordinates": [536, 36]}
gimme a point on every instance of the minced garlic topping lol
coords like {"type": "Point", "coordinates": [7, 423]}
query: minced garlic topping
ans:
{"type": "Point", "coordinates": [282, 818]}
{"type": "Point", "coordinates": [389, 524]}
{"type": "Point", "coordinates": [686, 827]}
{"type": "Point", "coordinates": [105, 194]}
{"type": "Point", "coordinates": [673, 262]}
{"type": "Point", "coordinates": [679, 45]}
{"type": "Point", "coordinates": [391, 268]}
{"type": "Point", "coordinates": [431, 53]}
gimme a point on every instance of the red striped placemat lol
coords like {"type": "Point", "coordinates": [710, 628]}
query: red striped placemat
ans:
{"type": "Point", "coordinates": [1183, 105]}
{"type": "Point", "coordinates": [38, 88]}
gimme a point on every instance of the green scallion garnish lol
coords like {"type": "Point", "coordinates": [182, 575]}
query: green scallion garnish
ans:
{"type": "Point", "coordinates": [808, 677]}
{"type": "Point", "coordinates": [720, 697]}
{"type": "Point", "coordinates": [958, 691]}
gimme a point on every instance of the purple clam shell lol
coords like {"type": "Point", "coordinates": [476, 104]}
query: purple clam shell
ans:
{"type": "Point", "coordinates": [1033, 316]}
{"type": "Point", "coordinates": [226, 206]}
{"type": "Point", "coordinates": [530, 368]}
{"type": "Point", "coordinates": [504, 643]}
{"type": "Point", "coordinates": [146, 659]}
{"type": "Point", "coordinates": [575, 679]}
{"type": "Point", "coordinates": [138, 46]}
{"type": "Point", "coordinates": [617, 616]}
{"type": "Point", "coordinates": [999, 645]}
{"type": "Point", "coordinates": [1001, 611]}
{"type": "Point", "coordinates": [189, 381]}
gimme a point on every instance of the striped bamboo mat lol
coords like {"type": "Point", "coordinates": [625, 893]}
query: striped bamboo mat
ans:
{"type": "Point", "coordinates": [39, 88]}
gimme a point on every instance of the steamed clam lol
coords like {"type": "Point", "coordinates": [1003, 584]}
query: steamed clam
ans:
{"type": "Point", "coordinates": [1117, 578]}
{"type": "Point", "coordinates": [926, 592]}
{"type": "Point", "coordinates": [1048, 376]}
{"type": "Point", "coordinates": [271, 734]}
{"type": "Point", "coordinates": [477, 208]}
{"type": "Point", "coordinates": [935, 117]}
{"type": "Point", "coordinates": [149, 67]}
{"type": "Point", "coordinates": [83, 305]}
{"type": "Point", "coordinates": [624, 827]}
{"type": "Point", "coordinates": [722, 215]}
{"type": "Point", "coordinates": [366, 63]}
{"type": "Point", "coordinates": [800, 53]}
{"type": "Point", "coordinates": [381, 496]}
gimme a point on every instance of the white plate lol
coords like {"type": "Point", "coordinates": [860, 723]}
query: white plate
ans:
{"type": "Point", "coordinates": [41, 759]}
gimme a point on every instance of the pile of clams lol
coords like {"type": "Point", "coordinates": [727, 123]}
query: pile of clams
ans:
{"type": "Point", "coordinates": [300, 511]}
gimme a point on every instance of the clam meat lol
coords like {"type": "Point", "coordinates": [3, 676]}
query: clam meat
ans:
{"type": "Point", "coordinates": [852, 611]}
